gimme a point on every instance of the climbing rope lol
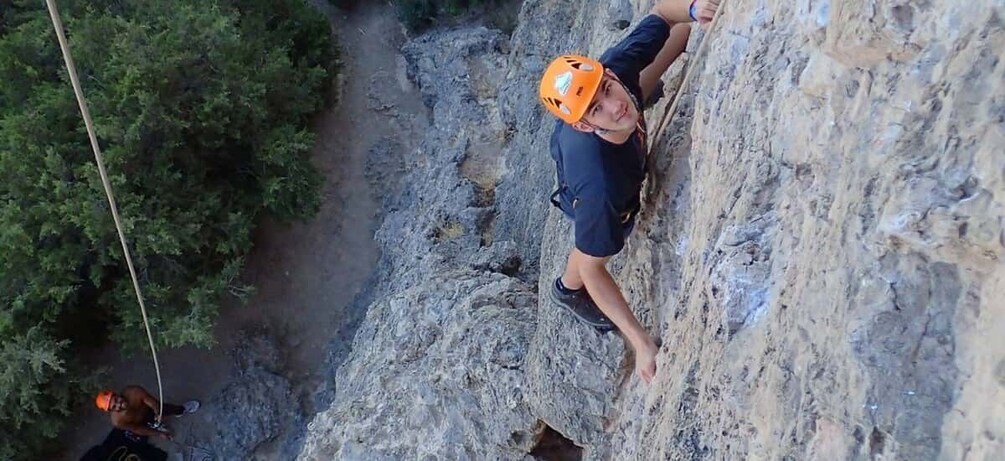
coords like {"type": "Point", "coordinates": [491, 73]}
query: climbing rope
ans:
{"type": "Point", "coordinates": [702, 50]}
{"type": "Point", "coordinates": [72, 70]}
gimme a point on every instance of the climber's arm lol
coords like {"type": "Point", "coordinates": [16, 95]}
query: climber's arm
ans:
{"type": "Point", "coordinates": [606, 293]}
{"type": "Point", "coordinates": [672, 48]}
{"type": "Point", "coordinates": [677, 11]}
{"type": "Point", "coordinates": [673, 11]}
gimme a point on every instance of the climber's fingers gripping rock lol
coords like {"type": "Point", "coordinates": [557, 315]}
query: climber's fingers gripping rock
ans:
{"type": "Point", "coordinates": [704, 11]}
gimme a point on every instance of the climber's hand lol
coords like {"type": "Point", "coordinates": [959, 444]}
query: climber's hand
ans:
{"type": "Point", "coordinates": [645, 360]}
{"type": "Point", "coordinates": [705, 11]}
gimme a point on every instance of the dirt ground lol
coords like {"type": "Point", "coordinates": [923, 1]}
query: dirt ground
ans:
{"type": "Point", "coordinates": [305, 274]}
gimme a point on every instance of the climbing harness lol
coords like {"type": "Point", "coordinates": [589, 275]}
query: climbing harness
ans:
{"type": "Point", "coordinates": [79, 93]}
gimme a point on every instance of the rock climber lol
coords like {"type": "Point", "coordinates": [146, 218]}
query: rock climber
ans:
{"type": "Point", "coordinates": [134, 410]}
{"type": "Point", "coordinates": [599, 145]}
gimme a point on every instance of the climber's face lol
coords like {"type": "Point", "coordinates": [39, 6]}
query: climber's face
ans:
{"type": "Point", "coordinates": [612, 108]}
{"type": "Point", "coordinates": [117, 403]}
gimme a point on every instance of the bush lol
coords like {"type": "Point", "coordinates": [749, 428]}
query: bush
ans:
{"type": "Point", "coordinates": [202, 111]}
{"type": "Point", "coordinates": [419, 14]}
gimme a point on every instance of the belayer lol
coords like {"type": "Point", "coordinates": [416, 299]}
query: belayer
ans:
{"type": "Point", "coordinates": [134, 410]}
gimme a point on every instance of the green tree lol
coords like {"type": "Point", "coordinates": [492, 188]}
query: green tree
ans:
{"type": "Point", "coordinates": [420, 14]}
{"type": "Point", "coordinates": [202, 111]}
{"type": "Point", "coordinates": [29, 363]}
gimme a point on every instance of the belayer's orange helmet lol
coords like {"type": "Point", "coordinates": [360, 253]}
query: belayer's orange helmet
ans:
{"type": "Point", "coordinates": [104, 399]}
{"type": "Point", "coordinates": [568, 86]}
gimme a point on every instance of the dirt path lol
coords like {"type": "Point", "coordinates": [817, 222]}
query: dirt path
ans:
{"type": "Point", "coordinates": [306, 274]}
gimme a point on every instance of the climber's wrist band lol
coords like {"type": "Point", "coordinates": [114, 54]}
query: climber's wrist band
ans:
{"type": "Point", "coordinates": [690, 11]}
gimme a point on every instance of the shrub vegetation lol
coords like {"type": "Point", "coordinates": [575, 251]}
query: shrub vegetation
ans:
{"type": "Point", "coordinates": [202, 110]}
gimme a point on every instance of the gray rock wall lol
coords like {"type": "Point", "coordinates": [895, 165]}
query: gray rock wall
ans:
{"type": "Point", "coordinates": [820, 250]}
{"type": "Point", "coordinates": [808, 259]}
{"type": "Point", "coordinates": [438, 365]}
{"type": "Point", "coordinates": [251, 415]}
{"type": "Point", "coordinates": [436, 370]}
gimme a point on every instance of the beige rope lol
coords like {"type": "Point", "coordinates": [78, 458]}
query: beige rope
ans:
{"type": "Point", "coordinates": [702, 50]}
{"type": "Point", "coordinates": [72, 70]}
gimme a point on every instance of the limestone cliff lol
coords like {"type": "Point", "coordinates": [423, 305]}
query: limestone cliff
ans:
{"type": "Point", "coordinates": [820, 250]}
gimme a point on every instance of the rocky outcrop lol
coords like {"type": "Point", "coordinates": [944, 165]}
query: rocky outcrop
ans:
{"type": "Point", "coordinates": [453, 384]}
{"type": "Point", "coordinates": [438, 365]}
{"type": "Point", "coordinates": [820, 250]}
{"type": "Point", "coordinates": [253, 413]}
{"type": "Point", "coordinates": [829, 281]}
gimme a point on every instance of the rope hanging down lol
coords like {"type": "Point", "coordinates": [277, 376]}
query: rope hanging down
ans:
{"type": "Point", "coordinates": [668, 116]}
{"type": "Point", "coordinates": [72, 70]}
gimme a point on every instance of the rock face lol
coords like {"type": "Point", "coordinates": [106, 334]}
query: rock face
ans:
{"type": "Point", "coordinates": [833, 283]}
{"type": "Point", "coordinates": [253, 412]}
{"type": "Point", "coordinates": [820, 250]}
{"type": "Point", "coordinates": [438, 365]}
{"type": "Point", "coordinates": [453, 384]}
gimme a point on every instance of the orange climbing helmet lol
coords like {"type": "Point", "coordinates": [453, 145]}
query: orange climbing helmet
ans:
{"type": "Point", "coordinates": [104, 399]}
{"type": "Point", "coordinates": [568, 86]}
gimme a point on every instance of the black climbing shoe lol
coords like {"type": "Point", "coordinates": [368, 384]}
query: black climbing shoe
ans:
{"type": "Point", "coordinates": [579, 304]}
